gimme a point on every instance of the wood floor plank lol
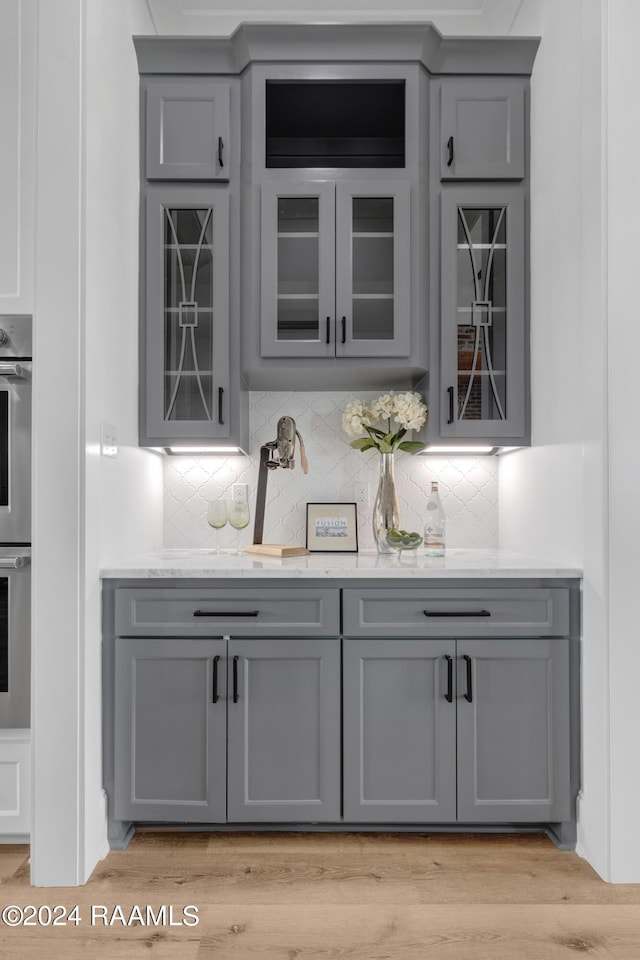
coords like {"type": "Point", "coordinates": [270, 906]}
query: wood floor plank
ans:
{"type": "Point", "coordinates": [278, 896]}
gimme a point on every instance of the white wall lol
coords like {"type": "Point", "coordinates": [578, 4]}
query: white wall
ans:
{"type": "Point", "coordinates": [88, 510]}
{"type": "Point", "coordinates": [623, 194]}
{"type": "Point", "coordinates": [601, 135]}
{"type": "Point", "coordinates": [123, 496]}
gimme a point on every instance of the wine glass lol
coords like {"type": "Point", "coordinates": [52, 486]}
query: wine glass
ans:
{"type": "Point", "coordinates": [239, 513]}
{"type": "Point", "coordinates": [217, 516]}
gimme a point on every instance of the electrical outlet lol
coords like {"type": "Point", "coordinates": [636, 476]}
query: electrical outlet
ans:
{"type": "Point", "coordinates": [108, 440]}
{"type": "Point", "coordinates": [361, 494]}
{"type": "Point", "coordinates": [239, 491]}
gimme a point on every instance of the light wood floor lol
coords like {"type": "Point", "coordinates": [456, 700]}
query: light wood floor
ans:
{"type": "Point", "coordinates": [334, 897]}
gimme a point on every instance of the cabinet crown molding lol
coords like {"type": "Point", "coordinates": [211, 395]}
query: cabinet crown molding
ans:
{"type": "Point", "coordinates": [336, 43]}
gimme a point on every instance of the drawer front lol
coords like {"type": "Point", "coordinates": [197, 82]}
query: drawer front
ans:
{"type": "Point", "coordinates": [457, 613]}
{"type": "Point", "coordinates": [220, 612]}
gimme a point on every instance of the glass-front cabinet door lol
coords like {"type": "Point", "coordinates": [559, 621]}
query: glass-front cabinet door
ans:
{"type": "Point", "coordinates": [373, 268]}
{"type": "Point", "coordinates": [298, 270]}
{"type": "Point", "coordinates": [335, 269]}
{"type": "Point", "coordinates": [187, 314]}
{"type": "Point", "coordinates": [483, 382]}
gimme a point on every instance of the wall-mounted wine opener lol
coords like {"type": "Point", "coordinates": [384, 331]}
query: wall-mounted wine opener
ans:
{"type": "Point", "coordinates": [277, 453]}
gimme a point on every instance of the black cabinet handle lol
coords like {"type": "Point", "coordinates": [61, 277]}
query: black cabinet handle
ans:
{"type": "Point", "coordinates": [235, 679]}
{"type": "Point", "coordinates": [220, 396]}
{"type": "Point", "coordinates": [328, 329]}
{"type": "Point", "coordinates": [220, 149]}
{"type": "Point", "coordinates": [226, 613]}
{"type": "Point", "coordinates": [457, 613]}
{"type": "Point", "coordinates": [214, 697]}
{"type": "Point", "coordinates": [449, 694]}
{"type": "Point", "coordinates": [450, 392]}
{"type": "Point", "coordinates": [469, 694]}
{"type": "Point", "coordinates": [344, 329]}
{"type": "Point", "coordinates": [450, 151]}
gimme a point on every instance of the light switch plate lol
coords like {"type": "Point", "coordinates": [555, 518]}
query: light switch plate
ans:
{"type": "Point", "coordinates": [108, 440]}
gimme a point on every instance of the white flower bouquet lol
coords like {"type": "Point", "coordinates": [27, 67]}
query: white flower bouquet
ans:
{"type": "Point", "coordinates": [407, 410]}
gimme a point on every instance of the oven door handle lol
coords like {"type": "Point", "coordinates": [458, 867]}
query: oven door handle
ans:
{"type": "Point", "coordinates": [14, 563]}
{"type": "Point", "coordinates": [11, 371]}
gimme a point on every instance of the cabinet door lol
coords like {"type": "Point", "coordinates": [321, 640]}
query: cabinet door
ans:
{"type": "Point", "coordinates": [284, 730]}
{"type": "Point", "coordinates": [373, 270]}
{"type": "Point", "coordinates": [399, 731]}
{"type": "Point", "coordinates": [186, 311]}
{"type": "Point", "coordinates": [187, 134]}
{"type": "Point", "coordinates": [484, 368]}
{"type": "Point", "coordinates": [513, 731]}
{"type": "Point", "coordinates": [482, 126]}
{"type": "Point", "coordinates": [170, 735]}
{"type": "Point", "coordinates": [298, 270]}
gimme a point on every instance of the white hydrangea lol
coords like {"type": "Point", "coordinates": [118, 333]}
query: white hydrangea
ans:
{"type": "Point", "coordinates": [354, 416]}
{"type": "Point", "coordinates": [384, 407]}
{"type": "Point", "coordinates": [410, 411]}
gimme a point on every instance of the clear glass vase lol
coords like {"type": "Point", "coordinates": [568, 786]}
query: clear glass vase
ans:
{"type": "Point", "coordinates": [386, 510]}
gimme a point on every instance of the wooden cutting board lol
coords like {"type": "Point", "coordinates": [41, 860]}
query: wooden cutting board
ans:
{"type": "Point", "coordinates": [276, 550]}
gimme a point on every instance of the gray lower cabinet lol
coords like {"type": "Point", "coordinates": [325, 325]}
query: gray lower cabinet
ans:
{"type": "Point", "coordinates": [170, 730]}
{"type": "Point", "coordinates": [470, 730]}
{"type": "Point", "coordinates": [482, 128]}
{"type": "Point", "coordinates": [284, 730]}
{"type": "Point", "coordinates": [212, 731]}
{"type": "Point", "coordinates": [513, 730]}
{"type": "Point", "coordinates": [399, 732]}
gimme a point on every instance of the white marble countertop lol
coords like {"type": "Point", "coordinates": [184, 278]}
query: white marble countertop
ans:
{"type": "Point", "coordinates": [492, 564]}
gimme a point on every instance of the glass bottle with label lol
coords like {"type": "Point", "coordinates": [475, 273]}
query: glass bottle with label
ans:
{"type": "Point", "coordinates": [435, 523]}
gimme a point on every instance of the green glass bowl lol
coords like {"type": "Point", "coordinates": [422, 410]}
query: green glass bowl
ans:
{"type": "Point", "coordinates": [403, 540]}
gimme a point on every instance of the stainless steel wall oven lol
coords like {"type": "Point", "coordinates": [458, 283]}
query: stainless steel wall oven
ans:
{"type": "Point", "coordinates": [15, 520]}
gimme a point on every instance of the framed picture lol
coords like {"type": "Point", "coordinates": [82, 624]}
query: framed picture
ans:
{"type": "Point", "coordinates": [332, 528]}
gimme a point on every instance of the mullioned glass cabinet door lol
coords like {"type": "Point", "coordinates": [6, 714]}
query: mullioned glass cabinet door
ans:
{"type": "Point", "coordinates": [483, 343]}
{"type": "Point", "coordinates": [187, 314]}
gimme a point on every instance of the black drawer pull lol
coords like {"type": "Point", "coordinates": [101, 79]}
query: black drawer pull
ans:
{"type": "Point", "coordinates": [220, 396]}
{"type": "Point", "coordinates": [469, 694]}
{"type": "Point", "coordinates": [220, 149]}
{"type": "Point", "coordinates": [457, 613]}
{"type": "Point", "coordinates": [449, 694]}
{"type": "Point", "coordinates": [328, 336]}
{"type": "Point", "coordinates": [235, 679]}
{"type": "Point", "coordinates": [343, 323]}
{"type": "Point", "coordinates": [226, 613]}
{"type": "Point", "coordinates": [214, 696]}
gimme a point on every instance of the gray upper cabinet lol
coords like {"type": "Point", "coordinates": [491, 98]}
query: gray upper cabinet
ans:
{"type": "Point", "coordinates": [284, 730]}
{"type": "Point", "coordinates": [170, 730]}
{"type": "Point", "coordinates": [399, 731]}
{"type": "Point", "coordinates": [335, 269]}
{"type": "Point", "coordinates": [482, 129]}
{"type": "Point", "coordinates": [187, 129]}
{"type": "Point", "coordinates": [185, 334]}
{"type": "Point", "coordinates": [483, 333]}
{"type": "Point", "coordinates": [513, 731]}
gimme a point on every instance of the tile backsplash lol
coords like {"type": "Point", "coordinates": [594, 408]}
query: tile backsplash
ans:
{"type": "Point", "coordinates": [468, 485]}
